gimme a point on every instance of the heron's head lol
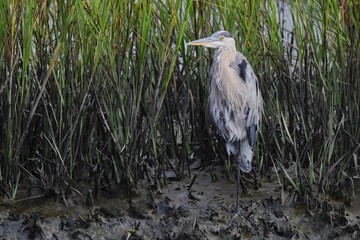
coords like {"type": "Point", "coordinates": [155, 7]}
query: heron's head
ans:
{"type": "Point", "coordinates": [218, 39]}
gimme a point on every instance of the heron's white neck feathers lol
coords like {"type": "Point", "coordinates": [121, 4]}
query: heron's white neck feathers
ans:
{"type": "Point", "coordinates": [229, 82]}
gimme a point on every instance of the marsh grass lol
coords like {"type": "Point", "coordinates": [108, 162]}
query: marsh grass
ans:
{"type": "Point", "coordinates": [110, 86]}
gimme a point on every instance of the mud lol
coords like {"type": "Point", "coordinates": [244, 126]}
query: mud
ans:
{"type": "Point", "coordinates": [193, 208]}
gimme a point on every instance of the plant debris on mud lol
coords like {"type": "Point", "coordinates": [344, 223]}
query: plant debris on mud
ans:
{"type": "Point", "coordinates": [187, 209]}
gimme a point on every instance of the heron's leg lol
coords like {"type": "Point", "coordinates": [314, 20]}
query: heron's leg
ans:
{"type": "Point", "coordinates": [237, 186]}
{"type": "Point", "coordinates": [228, 168]}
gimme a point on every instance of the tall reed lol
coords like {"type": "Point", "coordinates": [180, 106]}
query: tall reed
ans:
{"type": "Point", "coordinates": [111, 85]}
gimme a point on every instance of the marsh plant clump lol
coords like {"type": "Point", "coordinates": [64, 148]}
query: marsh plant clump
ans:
{"type": "Point", "coordinates": [107, 92]}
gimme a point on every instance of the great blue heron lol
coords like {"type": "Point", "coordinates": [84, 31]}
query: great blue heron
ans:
{"type": "Point", "coordinates": [234, 98]}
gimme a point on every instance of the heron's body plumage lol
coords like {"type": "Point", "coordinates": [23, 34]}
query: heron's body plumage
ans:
{"type": "Point", "coordinates": [234, 99]}
{"type": "Point", "coordinates": [235, 103]}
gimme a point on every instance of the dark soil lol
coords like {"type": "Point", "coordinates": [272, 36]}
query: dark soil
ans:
{"type": "Point", "coordinates": [175, 212]}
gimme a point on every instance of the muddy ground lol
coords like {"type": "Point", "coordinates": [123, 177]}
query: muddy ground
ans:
{"type": "Point", "coordinates": [175, 212]}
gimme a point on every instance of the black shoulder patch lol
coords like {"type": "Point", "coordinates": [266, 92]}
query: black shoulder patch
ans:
{"type": "Point", "coordinates": [242, 69]}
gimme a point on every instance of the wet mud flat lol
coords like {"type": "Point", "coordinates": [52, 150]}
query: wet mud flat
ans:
{"type": "Point", "coordinates": [193, 208]}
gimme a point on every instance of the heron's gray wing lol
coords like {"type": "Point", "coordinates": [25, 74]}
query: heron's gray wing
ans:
{"type": "Point", "coordinates": [253, 102]}
{"type": "Point", "coordinates": [221, 124]}
{"type": "Point", "coordinates": [251, 133]}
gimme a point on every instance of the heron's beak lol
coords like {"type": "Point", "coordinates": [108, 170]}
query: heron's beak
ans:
{"type": "Point", "coordinates": [206, 42]}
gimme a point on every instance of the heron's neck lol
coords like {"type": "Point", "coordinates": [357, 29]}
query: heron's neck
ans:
{"type": "Point", "coordinates": [226, 55]}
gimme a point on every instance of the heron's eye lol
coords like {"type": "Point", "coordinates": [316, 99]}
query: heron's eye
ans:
{"type": "Point", "coordinates": [221, 38]}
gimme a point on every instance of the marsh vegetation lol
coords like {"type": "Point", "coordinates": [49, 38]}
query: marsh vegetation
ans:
{"type": "Point", "coordinates": [101, 95]}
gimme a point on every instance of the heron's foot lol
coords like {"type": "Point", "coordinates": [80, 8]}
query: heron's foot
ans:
{"type": "Point", "coordinates": [238, 211]}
